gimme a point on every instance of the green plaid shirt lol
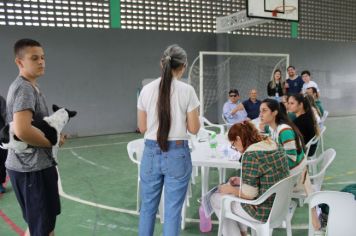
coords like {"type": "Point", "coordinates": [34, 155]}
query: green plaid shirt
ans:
{"type": "Point", "coordinates": [262, 169]}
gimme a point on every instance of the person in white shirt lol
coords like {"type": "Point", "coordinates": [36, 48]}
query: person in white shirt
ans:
{"type": "Point", "coordinates": [167, 109]}
{"type": "Point", "coordinates": [308, 82]}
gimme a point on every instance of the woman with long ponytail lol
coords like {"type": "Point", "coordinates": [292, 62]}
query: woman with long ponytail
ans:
{"type": "Point", "coordinates": [167, 108]}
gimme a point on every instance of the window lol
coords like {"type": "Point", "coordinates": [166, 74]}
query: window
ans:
{"type": "Point", "coordinates": [49, 13]}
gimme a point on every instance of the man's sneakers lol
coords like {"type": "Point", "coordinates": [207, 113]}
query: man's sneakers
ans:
{"type": "Point", "coordinates": [2, 189]}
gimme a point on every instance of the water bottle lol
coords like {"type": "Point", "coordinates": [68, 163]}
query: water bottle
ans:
{"type": "Point", "coordinates": [213, 145]}
{"type": "Point", "coordinates": [205, 224]}
{"type": "Point", "coordinates": [226, 151]}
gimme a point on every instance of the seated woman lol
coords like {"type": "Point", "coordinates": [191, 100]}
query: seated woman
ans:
{"type": "Point", "coordinates": [284, 132]}
{"type": "Point", "coordinates": [263, 163]}
{"type": "Point", "coordinates": [314, 93]}
{"type": "Point", "coordinates": [305, 120]}
{"type": "Point", "coordinates": [309, 128]}
{"type": "Point", "coordinates": [315, 109]}
{"type": "Point", "coordinates": [290, 114]}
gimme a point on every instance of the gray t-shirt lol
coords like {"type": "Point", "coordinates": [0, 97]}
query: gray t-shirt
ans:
{"type": "Point", "coordinates": [23, 96]}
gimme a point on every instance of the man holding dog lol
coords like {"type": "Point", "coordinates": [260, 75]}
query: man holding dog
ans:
{"type": "Point", "coordinates": [33, 175]}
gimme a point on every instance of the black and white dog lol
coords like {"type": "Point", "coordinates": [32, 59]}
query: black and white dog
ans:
{"type": "Point", "coordinates": [51, 126]}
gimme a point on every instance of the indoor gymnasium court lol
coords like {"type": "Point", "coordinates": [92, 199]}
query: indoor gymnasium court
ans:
{"type": "Point", "coordinates": [101, 54]}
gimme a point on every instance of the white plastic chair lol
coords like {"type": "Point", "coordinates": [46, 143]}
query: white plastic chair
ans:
{"type": "Point", "coordinates": [224, 119]}
{"type": "Point", "coordinates": [278, 214]}
{"type": "Point", "coordinates": [316, 140]}
{"type": "Point", "coordinates": [322, 163]}
{"type": "Point", "coordinates": [205, 123]}
{"type": "Point", "coordinates": [323, 118]}
{"type": "Point", "coordinates": [135, 151]}
{"type": "Point", "coordinates": [322, 124]}
{"type": "Point", "coordinates": [226, 123]}
{"type": "Point", "coordinates": [342, 212]}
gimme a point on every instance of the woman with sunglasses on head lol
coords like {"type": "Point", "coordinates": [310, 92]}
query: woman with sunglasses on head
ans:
{"type": "Point", "coordinates": [167, 109]}
{"type": "Point", "coordinates": [284, 132]}
{"type": "Point", "coordinates": [263, 163]}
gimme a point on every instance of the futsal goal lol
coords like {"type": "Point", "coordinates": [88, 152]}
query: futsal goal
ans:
{"type": "Point", "coordinates": [213, 74]}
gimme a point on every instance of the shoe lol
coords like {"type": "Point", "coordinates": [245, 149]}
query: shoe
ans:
{"type": "Point", "coordinates": [323, 217]}
{"type": "Point", "coordinates": [2, 189]}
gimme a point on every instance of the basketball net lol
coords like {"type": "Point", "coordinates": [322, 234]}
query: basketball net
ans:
{"type": "Point", "coordinates": [284, 10]}
{"type": "Point", "coordinates": [237, 20]}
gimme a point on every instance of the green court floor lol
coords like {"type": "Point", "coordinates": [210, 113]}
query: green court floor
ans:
{"type": "Point", "coordinates": [97, 170]}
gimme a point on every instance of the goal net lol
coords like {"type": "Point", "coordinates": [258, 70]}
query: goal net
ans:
{"type": "Point", "coordinates": [213, 74]}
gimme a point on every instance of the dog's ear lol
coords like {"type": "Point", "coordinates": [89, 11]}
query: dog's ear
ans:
{"type": "Point", "coordinates": [71, 113]}
{"type": "Point", "coordinates": [55, 107]}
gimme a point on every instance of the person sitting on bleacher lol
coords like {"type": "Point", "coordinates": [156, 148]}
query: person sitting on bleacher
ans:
{"type": "Point", "coordinates": [231, 111]}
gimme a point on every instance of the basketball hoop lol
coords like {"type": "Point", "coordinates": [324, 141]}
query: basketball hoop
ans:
{"type": "Point", "coordinates": [287, 9]}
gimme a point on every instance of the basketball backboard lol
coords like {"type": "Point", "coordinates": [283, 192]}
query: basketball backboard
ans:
{"type": "Point", "coordinates": [273, 9]}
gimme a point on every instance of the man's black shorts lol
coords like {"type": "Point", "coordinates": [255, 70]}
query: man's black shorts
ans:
{"type": "Point", "coordinates": [37, 194]}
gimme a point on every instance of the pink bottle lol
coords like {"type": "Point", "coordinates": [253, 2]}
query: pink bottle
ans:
{"type": "Point", "coordinates": [205, 224]}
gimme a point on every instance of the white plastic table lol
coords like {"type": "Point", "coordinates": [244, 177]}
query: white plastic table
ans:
{"type": "Point", "coordinates": [201, 157]}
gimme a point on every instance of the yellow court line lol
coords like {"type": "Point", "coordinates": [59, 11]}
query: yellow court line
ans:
{"type": "Point", "coordinates": [340, 175]}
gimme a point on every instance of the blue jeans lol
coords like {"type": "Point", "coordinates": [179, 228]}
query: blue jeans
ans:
{"type": "Point", "coordinates": [172, 170]}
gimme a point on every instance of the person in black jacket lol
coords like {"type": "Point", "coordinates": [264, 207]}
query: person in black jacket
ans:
{"type": "Point", "coordinates": [3, 152]}
{"type": "Point", "coordinates": [275, 87]}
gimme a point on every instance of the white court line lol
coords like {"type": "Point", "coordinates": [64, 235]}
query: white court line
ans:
{"type": "Point", "coordinates": [94, 204]}
{"type": "Point", "coordinates": [87, 161]}
{"type": "Point", "coordinates": [94, 145]}
{"type": "Point", "coordinates": [341, 117]}
{"type": "Point", "coordinates": [301, 226]}
{"type": "Point", "coordinates": [129, 229]}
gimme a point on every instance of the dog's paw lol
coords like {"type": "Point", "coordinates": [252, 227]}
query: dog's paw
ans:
{"type": "Point", "coordinates": [4, 146]}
